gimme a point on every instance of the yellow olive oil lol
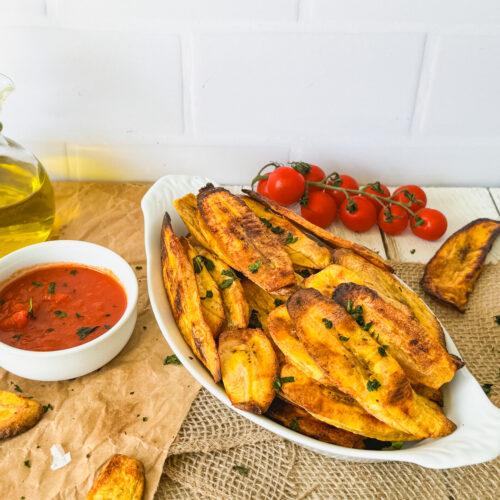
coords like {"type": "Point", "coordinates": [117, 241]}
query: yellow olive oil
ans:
{"type": "Point", "coordinates": [27, 204]}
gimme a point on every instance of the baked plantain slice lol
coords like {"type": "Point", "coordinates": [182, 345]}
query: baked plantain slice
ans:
{"type": "Point", "coordinates": [302, 250]}
{"type": "Point", "coordinates": [17, 414]}
{"type": "Point", "coordinates": [208, 290]}
{"type": "Point", "coordinates": [122, 478]}
{"type": "Point", "coordinates": [233, 297]}
{"type": "Point", "coordinates": [450, 275]}
{"type": "Point", "coordinates": [249, 367]}
{"type": "Point", "coordinates": [184, 298]}
{"type": "Point", "coordinates": [422, 357]}
{"type": "Point", "coordinates": [284, 336]}
{"type": "Point", "coordinates": [322, 234]}
{"type": "Point", "coordinates": [330, 277]}
{"type": "Point", "coordinates": [388, 286]}
{"type": "Point", "coordinates": [251, 248]}
{"type": "Point", "coordinates": [352, 361]}
{"type": "Point", "coordinates": [299, 420]}
{"type": "Point", "coordinates": [335, 408]}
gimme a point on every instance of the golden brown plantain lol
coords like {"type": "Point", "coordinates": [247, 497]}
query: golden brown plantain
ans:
{"type": "Point", "coordinates": [322, 234]}
{"type": "Point", "coordinates": [284, 336]}
{"type": "Point", "coordinates": [249, 368]}
{"type": "Point", "coordinates": [450, 275]}
{"type": "Point", "coordinates": [433, 394]}
{"type": "Point", "coordinates": [330, 277]}
{"type": "Point", "coordinates": [182, 293]}
{"type": "Point", "coordinates": [299, 420]}
{"type": "Point", "coordinates": [233, 297]}
{"type": "Point", "coordinates": [330, 405]}
{"type": "Point", "coordinates": [121, 479]}
{"type": "Point", "coordinates": [353, 362]}
{"type": "Point", "coordinates": [302, 250]}
{"type": "Point", "coordinates": [17, 414]}
{"type": "Point", "coordinates": [251, 248]}
{"type": "Point", "coordinates": [388, 286]}
{"type": "Point", "coordinates": [208, 290]}
{"type": "Point", "coordinates": [422, 357]}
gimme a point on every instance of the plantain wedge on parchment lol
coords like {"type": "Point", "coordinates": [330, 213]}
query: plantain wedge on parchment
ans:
{"type": "Point", "coordinates": [183, 295]}
{"type": "Point", "coordinates": [122, 478]}
{"type": "Point", "coordinates": [360, 367]}
{"type": "Point", "coordinates": [244, 240]}
{"type": "Point", "coordinates": [450, 275]}
{"type": "Point", "coordinates": [17, 414]}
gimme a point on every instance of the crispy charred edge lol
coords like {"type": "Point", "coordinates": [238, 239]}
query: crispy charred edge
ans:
{"type": "Point", "coordinates": [21, 424]}
{"type": "Point", "coordinates": [428, 283]}
{"type": "Point", "coordinates": [285, 412]}
{"type": "Point", "coordinates": [130, 466]}
{"type": "Point", "coordinates": [322, 234]}
{"type": "Point", "coordinates": [176, 306]}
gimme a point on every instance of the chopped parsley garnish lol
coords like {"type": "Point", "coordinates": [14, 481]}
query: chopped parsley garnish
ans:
{"type": "Point", "coordinates": [373, 385]}
{"type": "Point", "coordinates": [294, 424]}
{"type": "Point", "coordinates": [79, 315]}
{"type": "Point", "coordinates": [17, 388]}
{"type": "Point", "coordinates": [277, 230]}
{"type": "Point", "coordinates": [266, 222]}
{"type": "Point", "coordinates": [497, 319]}
{"type": "Point", "coordinates": [279, 381]}
{"type": "Point", "coordinates": [290, 239]}
{"type": "Point", "coordinates": [278, 302]}
{"type": "Point", "coordinates": [327, 322]}
{"type": "Point", "coordinates": [144, 419]}
{"type": "Point", "coordinates": [36, 283]}
{"type": "Point", "coordinates": [253, 268]}
{"type": "Point", "coordinates": [18, 337]}
{"type": "Point", "coordinates": [30, 310]}
{"type": "Point", "coordinates": [52, 287]}
{"type": "Point", "coordinates": [107, 315]}
{"type": "Point", "coordinates": [342, 338]}
{"type": "Point", "coordinates": [46, 408]}
{"type": "Point", "coordinates": [208, 295]}
{"type": "Point", "coordinates": [131, 392]}
{"type": "Point", "coordinates": [305, 273]}
{"type": "Point", "coordinates": [73, 272]}
{"type": "Point", "coordinates": [172, 360]}
{"type": "Point", "coordinates": [227, 283]}
{"type": "Point", "coordinates": [60, 314]}
{"type": "Point", "coordinates": [357, 315]}
{"type": "Point", "coordinates": [486, 388]}
{"type": "Point", "coordinates": [381, 351]}
{"type": "Point", "coordinates": [397, 445]}
{"type": "Point", "coordinates": [208, 263]}
{"type": "Point", "coordinates": [27, 463]}
{"type": "Point", "coordinates": [138, 267]}
{"type": "Point", "coordinates": [241, 469]}
{"type": "Point", "coordinates": [49, 330]}
{"type": "Point", "coordinates": [107, 327]}
{"type": "Point", "coordinates": [228, 272]}
{"type": "Point", "coordinates": [84, 331]}
{"type": "Point", "coordinates": [412, 251]}
{"type": "Point", "coordinates": [198, 264]}
{"type": "Point", "coordinates": [254, 321]}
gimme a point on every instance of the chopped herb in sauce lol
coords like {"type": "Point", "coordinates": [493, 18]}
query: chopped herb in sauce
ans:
{"type": "Point", "coordinates": [253, 268]}
{"type": "Point", "coordinates": [241, 469]}
{"type": "Point", "coordinates": [107, 315]}
{"type": "Point", "coordinates": [36, 283]}
{"type": "Point", "coordinates": [373, 385]}
{"type": "Point", "coordinates": [107, 327]}
{"type": "Point", "coordinates": [208, 295]}
{"type": "Point", "coordinates": [2, 302]}
{"type": "Point", "coordinates": [279, 381]}
{"type": "Point", "coordinates": [60, 314]}
{"type": "Point", "coordinates": [172, 360]}
{"type": "Point", "coordinates": [30, 310]}
{"type": "Point", "coordinates": [290, 239]}
{"type": "Point", "coordinates": [73, 272]}
{"type": "Point", "coordinates": [342, 338]}
{"type": "Point", "coordinates": [79, 315]}
{"type": "Point", "coordinates": [18, 337]}
{"type": "Point", "coordinates": [84, 331]}
{"type": "Point", "coordinates": [327, 322]}
{"type": "Point", "coordinates": [49, 330]}
{"type": "Point", "coordinates": [52, 287]}
{"type": "Point", "coordinates": [278, 302]}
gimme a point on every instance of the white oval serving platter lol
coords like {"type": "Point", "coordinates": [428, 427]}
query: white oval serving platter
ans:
{"type": "Point", "coordinates": [476, 440]}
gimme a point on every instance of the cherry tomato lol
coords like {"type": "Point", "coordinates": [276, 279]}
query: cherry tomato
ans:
{"type": "Point", "coordinates": [285, 185]}
{"type": "Point", "coordinates": [415, 191]}
{"type": "Point", "coordinates": [394, 224]}
{"type": "Point", "coordinates": [321, 209]}
{"type": "Point", "coordinates": [359, 218]}
{"type": "Point", "coordinates": [347, 182]}
{"type": "Point", "coordinates": [380, 190]}
{"type": "Point", "coordinates": [262, 187]}
{"type": "Point", "coordinates": [316, 174]}
{"type": "Point", "coordinates": [434, 226]}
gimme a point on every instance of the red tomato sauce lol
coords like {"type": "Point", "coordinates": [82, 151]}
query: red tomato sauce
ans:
{"type": "Point", "coordinates": [59, 307]}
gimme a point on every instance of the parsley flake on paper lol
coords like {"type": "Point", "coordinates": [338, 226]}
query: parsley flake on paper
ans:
{"type": "Point", "coordinates": [172, 360]}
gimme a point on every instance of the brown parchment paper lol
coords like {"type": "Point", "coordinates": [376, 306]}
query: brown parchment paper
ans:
{"type": "Point", "coordinates": [134, 405]}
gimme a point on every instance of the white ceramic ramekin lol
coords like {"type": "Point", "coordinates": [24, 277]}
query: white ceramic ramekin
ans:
{"type": "Point", "coordinates": [83, 359]}
{"type": "Point", "coordinates": [476, 440]}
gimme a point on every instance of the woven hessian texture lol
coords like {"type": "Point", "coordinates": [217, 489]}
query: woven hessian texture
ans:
{"type": "Point", "coordinates": [213, 439]}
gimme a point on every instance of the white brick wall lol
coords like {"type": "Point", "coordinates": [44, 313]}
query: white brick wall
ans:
{"type": "Point", "coordinates": [396, 90]}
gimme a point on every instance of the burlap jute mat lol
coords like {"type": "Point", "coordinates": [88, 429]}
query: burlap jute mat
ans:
{"type": "Point", "coordinates": [213, 439]}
